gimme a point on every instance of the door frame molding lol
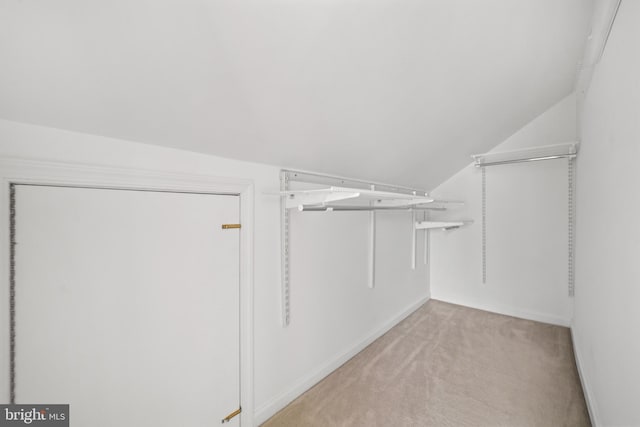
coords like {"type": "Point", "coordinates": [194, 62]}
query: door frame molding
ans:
{"type": "Point", "coordinates": [26, 171]}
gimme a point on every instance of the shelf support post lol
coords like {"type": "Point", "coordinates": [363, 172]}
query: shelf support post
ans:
{"type": "Point", "coordinates": [427, 235]}
{"type": "Point", "coordinates": [414, 233]}
{"type": "Point", "coordinates": [372, 246]}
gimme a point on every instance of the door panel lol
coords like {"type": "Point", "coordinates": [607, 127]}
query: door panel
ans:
{"type": "Point", "coordinates": [127, 305]}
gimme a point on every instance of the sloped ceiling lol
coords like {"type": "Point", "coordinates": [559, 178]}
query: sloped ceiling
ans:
{"type": "Point", "coordinates": [396, 91]}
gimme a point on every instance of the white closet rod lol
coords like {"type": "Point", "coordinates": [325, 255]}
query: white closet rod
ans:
{"type": "Point", "coordinates": [528, 159]}
{"type": "Point", "coordinates": [365, 208]}
{"type": "Point", "coordinates": [533, 154]}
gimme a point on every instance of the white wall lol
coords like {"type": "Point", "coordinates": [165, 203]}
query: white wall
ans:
{"type": "Point", "coordinates": [333, 312]}
{"type": "Point", "coordinates": [607, 318]}
{"type": "Point", "coordinates": [526, 230]}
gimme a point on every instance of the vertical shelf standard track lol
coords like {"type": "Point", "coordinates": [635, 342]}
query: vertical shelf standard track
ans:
{"type": "Point", "coordinates": [284, 242]}
{"type": "Point", "coordinates": [484, 225]}
{"type": "Point", "coordinates": [571, 224]}
{"type": "Point", "coordinates": [12, 294]}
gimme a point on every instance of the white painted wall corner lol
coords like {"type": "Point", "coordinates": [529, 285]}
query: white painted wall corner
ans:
{"type": "Point", "coordinates": [586, 388]}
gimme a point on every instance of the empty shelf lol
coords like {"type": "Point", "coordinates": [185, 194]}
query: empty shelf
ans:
{"type": "Point", "coordinates": [320, 197]}
{"type": "Point", "coordinates": [446, 225]}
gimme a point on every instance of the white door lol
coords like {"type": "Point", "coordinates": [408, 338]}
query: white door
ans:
{"type": "Point", "coordinates": [127, 305]}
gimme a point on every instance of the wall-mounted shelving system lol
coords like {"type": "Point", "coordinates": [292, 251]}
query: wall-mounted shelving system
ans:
{"type": "Point", "coordinates": [336, 194]}
{"type": "Point", "coordinates": [567, 151]}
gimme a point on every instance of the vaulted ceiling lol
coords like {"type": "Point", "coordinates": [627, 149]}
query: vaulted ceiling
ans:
{"type": "Point", "coordinates": [396, 91]}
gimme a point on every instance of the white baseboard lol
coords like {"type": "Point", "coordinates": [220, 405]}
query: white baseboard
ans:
{"type": "Point", "coordinates": [272, 406]}
{"type": "Point", "coordinates": [588, 393]}
{"type": "Point", "coordinates": [509, 311]}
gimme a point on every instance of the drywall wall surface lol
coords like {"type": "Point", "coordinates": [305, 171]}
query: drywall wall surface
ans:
{"type": "Point", "coordinates": [607, 319]}
{"type": "Point", "coordinates": [333, 312]}
{"type": "Point", "coordinates": [526, 229]}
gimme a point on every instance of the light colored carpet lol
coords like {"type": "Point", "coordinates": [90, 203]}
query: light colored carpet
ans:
{"type": "Point", "coordinates": [447, 365]}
